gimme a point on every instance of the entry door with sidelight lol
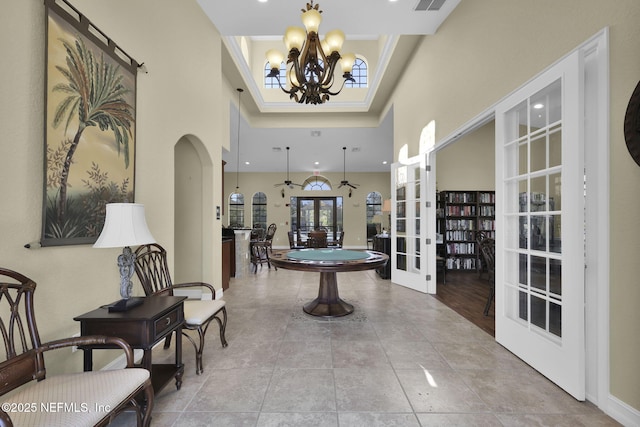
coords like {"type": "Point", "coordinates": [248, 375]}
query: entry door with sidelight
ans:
{"type": "Point", "coordinates": [540, 230]}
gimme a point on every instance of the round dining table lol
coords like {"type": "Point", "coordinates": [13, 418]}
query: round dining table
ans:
{"type": "Point", "coordinates": [328, 262]}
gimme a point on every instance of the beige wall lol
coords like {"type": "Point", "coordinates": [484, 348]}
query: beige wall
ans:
{"type": "Point", "coordinates": [354, 207]}
{"type": "Point", "coordinates": [181, 95]}
{"type": "Point", "coordinates": [469, 163]}
{"type": "Point", "coordinates": [487, 49]}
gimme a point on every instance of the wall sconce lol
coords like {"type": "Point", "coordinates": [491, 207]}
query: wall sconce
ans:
{"type": "Point", "coordinates": [349, 192]}
{"type": "Point", "coordinates": [282, 192]}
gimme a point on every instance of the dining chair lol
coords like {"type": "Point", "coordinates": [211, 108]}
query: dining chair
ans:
{"type": "Point", "coordinates": [339, 239]}
{"type": "Point", "coordinates": [153, 272]}
{"type": "Point", "coordinates": [292, 242]}
{"type": "Point", "coordinates": [317, 239]}
{"type": "Point", "coordinates": [268, 238]}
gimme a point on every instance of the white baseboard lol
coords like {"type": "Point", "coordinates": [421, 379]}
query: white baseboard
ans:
{"type": "Point", "coordinates": [622, 412]}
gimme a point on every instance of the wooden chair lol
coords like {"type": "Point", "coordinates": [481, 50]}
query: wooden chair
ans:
{"type": "Point", "coordinates": [317, 239]}
{"type": "Point", "coordinates": [292, 242]}
{"type": "Point", "coordinates": [268, 237]}
{"type": "Point", "coordinates": [488, 252]}
{"type": "Point", "coordinates": [339, 239]}
{"type": "Point", "coordinates": [95, 398]}
{"type": "Point", "coordinates": [153, 272]}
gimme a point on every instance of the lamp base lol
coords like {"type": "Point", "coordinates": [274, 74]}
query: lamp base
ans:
{"type": "Point", "coordinates": [125, 304]}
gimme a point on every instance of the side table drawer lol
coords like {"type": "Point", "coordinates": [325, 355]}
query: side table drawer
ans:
{"type": "Point", "coordinates": [168, 321]}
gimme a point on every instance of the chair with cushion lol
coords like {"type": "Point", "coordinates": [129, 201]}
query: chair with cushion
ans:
{"type": "Point", "coordinates": [153, 272]}
{"type": "Point", "coordinates": [92, 398]}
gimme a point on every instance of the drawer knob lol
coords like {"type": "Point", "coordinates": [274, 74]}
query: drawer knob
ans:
{"type": "Point", "coordinates": [168, 319]}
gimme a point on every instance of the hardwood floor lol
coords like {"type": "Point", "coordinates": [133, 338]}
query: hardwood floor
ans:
{"type": "Point", "coordinates": [467, 294]}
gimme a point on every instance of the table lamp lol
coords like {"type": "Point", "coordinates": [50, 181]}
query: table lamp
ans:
{"type": "Point", "coordinates": [125, 226]}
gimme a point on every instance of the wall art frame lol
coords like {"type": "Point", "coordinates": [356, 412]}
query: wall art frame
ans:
{"type": "Point", "coordinates": [89, 127]}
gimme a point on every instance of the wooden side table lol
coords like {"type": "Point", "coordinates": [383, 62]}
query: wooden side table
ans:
{"type": "Point", "coordinates": [142, 327]}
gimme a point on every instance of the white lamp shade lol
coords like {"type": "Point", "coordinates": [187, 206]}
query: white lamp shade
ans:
{"type": "Point", "coordinates": [335, 39]}
{"type": "Point", "coordinates": [311, 20]}
{"type": "Point", "coordinates": [124, 225]}
{"type": "Point", "coordinates": [275, 58]}
{"type": "Point", "coordinates": [347, 61]}
{"type": "Point", "coordinates": [294, 37]}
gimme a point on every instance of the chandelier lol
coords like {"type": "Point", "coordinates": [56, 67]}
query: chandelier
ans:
{"type": "Point", "coordinates": [311, 63]}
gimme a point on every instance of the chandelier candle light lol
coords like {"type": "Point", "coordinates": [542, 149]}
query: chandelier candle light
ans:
{"type": "Point", "coordinates": [311, 63]}
{"type": "Point", "coordinates": [125, 226]}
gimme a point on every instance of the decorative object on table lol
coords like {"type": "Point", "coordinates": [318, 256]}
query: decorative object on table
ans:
{"type": "Point", "coordinates": [90, 93]}
{"type": "Point", "coordinates": [632, 125]}
{"type": "Point", "coordinates": [27, 385]}
{"type": "Point", "coordinates": [125, 226]}
{"type": "Point", "coordinates": [313, 62]}
{"type": "Point", "coordinates": [344, 172]}
{"type": "Point", "coordinates": [287, 181]}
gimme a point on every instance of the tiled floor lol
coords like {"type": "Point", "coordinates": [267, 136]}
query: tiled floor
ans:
{"type": "Point", "coordinates": [401, 359]}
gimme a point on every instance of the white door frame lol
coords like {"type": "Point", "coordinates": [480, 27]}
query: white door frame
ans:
{"type": "Point", "coordinates": [596, 78]}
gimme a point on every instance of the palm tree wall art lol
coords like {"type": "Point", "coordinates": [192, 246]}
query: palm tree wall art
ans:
{"type": "Point", "coordinates": [89, 128]}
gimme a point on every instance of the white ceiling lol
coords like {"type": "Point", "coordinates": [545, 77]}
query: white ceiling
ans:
{"type": "Point", "coordinates": [367, 147]}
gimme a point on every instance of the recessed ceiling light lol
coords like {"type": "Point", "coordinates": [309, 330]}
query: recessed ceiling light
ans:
{"type": "Point", "coordinates": [316, 163]}
{"type": "Point", "coordinates": [247, 163]}
{"type": "Point", "coordinates": [262, 1]}
{"type": "Point", "coordinates": [384, 162]}
{"type": "Point", "coordinates": [538, 106]}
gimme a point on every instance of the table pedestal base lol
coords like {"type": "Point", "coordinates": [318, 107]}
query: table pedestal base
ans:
{"type": "Point", "coordinates": [328, 303]}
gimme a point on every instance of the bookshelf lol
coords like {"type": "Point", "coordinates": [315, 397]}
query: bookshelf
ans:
{"type": "Point", "coordinates": [461, 215]}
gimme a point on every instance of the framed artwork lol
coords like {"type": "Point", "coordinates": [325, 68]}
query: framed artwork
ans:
{"type": "Point", "coordinates": [90, 99]}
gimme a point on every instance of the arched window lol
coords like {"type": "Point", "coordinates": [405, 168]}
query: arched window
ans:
{"type": "Point", "coordinates": [359, 73]}
{"type": "Point", "coordinates": [272, 82]}
{"type": "Point", "coordinates": [374, 214]}
{"type": "Point", "coordinates": [315, 183]}
{"type": "Point", "coordinates": [259, 210]}
{"type": "Point", "coordinates": [236, 210]}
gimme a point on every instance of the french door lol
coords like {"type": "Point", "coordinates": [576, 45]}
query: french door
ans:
{"type": "Point", "coordinates": [540, 233]}
{"type": "Point", "coordinates": [413, 253]}
{"type": "Point", "coordinates": [310, 213]}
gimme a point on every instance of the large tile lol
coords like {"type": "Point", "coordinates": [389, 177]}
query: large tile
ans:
{"type": "Point", "coordinates": [316, 355]}
{"type": "Point", "coordinates": [374, 419]}
{"type": "Point", "coordinates": [372, 390]}
{"type": "Point", "coordinates": [519, 391]}
{"type": "Point", "coordinates": [301, 390]}
{"type": "Point", "coordinates": [293, 419]}
{"type": "Point", "coordinates": [218, 419]}
{"type": "Point", "coordinates": [308, 331]}
{"type": "Point", "coordinates": [552, 420]}
{"type": "Point", "coordinates": [353, 331]}
{"type": "Point", "coordinates": [397, 331]}
{"type": "Point", "coordinates": [243, 354]}
{"type": "Point", "coordinates": [414, 355]}
{"type": "Point", "coordinates": [359, 354]}
{"type": "Point", "coordinates": [439, 391]}
{"type": "Point", "coordinates": [460, 420]}
{"type": "Point", "coordinates": [232, 390]}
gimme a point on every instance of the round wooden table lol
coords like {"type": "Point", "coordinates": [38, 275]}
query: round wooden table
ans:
{"type": "Point", "coordinates": [328, 262]}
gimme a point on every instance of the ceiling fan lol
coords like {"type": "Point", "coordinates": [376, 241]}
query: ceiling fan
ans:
{"type": "Point", "coordinates": [344, 173]}
{"type": "Point", "coordinates": [288, 182]}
